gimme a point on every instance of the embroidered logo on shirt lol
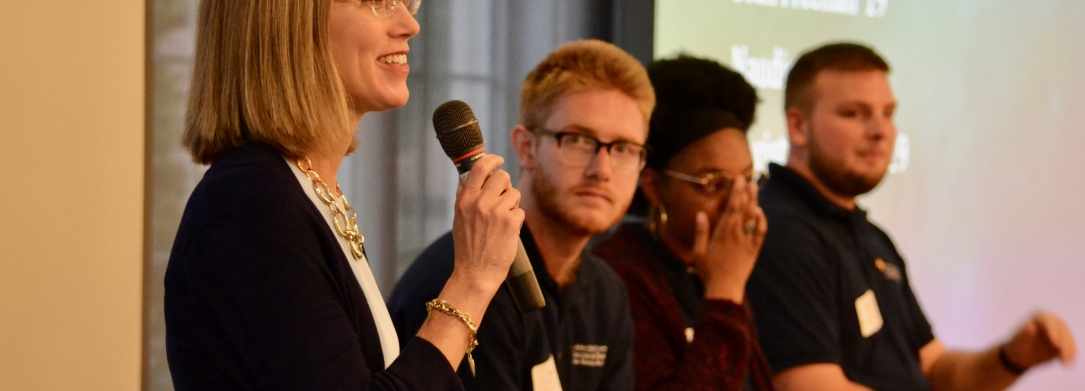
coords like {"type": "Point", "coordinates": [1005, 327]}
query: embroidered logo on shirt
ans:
{"type": "Point", "coordinates": [891, 271]}
{"type": "Point", "coordinates": [589, 355]}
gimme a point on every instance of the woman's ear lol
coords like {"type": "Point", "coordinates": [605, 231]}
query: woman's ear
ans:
{"type": "Point", "coordinates": [650, 184]}
{"type": "Point", "coordinates": [523, 141]}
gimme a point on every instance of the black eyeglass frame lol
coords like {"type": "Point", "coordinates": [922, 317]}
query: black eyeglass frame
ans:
{"type": "Point", "coordinates": [559, 135]}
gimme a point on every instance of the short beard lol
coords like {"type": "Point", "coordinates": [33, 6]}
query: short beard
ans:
{"type": "Point", "coordinates": [546, 194]}
{"type": "Point", "coordinates": [835, 177]}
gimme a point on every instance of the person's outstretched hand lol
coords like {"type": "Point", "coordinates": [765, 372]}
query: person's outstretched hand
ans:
{"type": "Point", "coordinates": [1042, 338]}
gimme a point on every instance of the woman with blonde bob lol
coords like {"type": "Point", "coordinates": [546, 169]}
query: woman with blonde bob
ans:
{"type": "Point", "coordinates": [268, 286]}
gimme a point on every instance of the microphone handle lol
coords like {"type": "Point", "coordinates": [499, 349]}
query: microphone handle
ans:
{"type": "Point", "coordinates": [521, 280]}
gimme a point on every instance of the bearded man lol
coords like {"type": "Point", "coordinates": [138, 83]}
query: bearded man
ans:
{"type": "Point", "coordinates": [584, 115]}
{"type": "Point", "coordinates": [830, 293]}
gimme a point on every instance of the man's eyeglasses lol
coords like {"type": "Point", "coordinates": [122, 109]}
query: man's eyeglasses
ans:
{"type": "Point", "coordinates": [384, 9]}
{"type": "Point", "coordinates": [578, 150]}
{"type": "Point", "coordinates": [713, 183]}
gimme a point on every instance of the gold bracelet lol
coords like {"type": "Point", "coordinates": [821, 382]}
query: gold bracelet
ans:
{"type": "Point", "coordinates": [443, 306]}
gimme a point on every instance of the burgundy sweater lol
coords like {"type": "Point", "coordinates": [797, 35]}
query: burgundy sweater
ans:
{"type": "Point", "coordinates": [724, 347]}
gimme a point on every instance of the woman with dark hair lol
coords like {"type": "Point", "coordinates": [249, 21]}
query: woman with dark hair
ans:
{"type": "Point", "coordinates": [268, 285]}
{"type": "Point", "coordinates": [686, 266]}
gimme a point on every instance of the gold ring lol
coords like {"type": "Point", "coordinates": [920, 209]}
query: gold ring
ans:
{"type": "Point", "coordinates": [750, 227]}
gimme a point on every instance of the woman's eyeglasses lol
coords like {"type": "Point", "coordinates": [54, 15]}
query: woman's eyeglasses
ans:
{"type": "Point", "coordinates": [384, 9]}
{"type": "Point", "coordinates": [713, 183]}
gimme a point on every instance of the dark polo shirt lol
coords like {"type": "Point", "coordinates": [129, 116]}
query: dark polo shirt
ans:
{"type": "Point", "coordinates": [587, 327]}
{"type": "Point", "coordinates": [819, 272]}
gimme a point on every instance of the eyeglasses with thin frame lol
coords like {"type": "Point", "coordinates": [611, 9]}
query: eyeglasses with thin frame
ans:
{"type": "Point", "coordinates": [384, 9]}
{"type": "Point", "coordinates": [578, 150]}
{"type": "Point", "coordinates": [713, 183]}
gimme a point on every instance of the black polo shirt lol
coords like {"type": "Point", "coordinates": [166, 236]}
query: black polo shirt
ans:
{"type": "Point", "coordinates": [587, 328]}
{"type": "Point", "coordinates": [821, 267]}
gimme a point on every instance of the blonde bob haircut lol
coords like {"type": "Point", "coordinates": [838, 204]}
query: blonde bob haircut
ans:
{"type": "Point", "coordinates": [580, 66]}
{"type": "Point", "coordinates": [264, 73]}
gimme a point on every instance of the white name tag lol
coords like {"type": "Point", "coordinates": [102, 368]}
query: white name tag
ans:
{"type": "Point", "coordinates": [544, 377]}
{"type": "Point", "coordinates": [870, 317]}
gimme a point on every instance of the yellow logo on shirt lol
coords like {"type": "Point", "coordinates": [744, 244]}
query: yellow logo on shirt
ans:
{"type": "Point", "coordinates": [891, 271]}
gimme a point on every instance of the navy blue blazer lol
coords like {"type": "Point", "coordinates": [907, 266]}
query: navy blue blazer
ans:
{"type": "Point", "coordinates": [259, 294]}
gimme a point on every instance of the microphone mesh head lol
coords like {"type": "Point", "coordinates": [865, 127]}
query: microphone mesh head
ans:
{"type": "Point", "coordinates": [457, 129]}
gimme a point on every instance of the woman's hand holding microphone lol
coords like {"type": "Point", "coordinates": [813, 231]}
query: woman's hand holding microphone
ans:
{"type": "Point", "coordinates": [485, 229]}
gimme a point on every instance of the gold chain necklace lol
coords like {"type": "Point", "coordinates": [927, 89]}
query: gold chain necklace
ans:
{"type": "Point", "coordinates": [343, 217]}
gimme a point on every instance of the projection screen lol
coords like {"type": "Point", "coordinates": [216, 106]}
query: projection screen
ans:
{"type": "Point", "coordinates": [984, 198]}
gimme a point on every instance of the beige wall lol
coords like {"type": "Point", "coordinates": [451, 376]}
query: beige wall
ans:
{"type": "Point", "coordinates": [71, 194]}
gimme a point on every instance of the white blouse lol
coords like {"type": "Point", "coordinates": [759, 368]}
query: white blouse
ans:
{"type": "Point", "coordinates": [385, 328]}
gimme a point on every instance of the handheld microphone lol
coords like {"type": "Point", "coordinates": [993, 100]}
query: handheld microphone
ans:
{"type": "Point", "coordinates": [461, 138]}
